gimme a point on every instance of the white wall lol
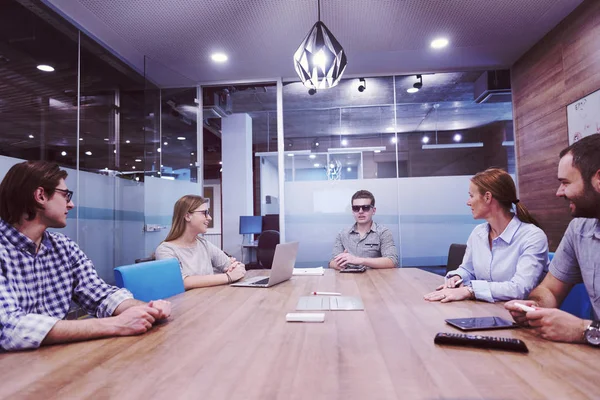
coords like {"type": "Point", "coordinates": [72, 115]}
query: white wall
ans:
{"type": "Point", "coordinates": [269, 186]}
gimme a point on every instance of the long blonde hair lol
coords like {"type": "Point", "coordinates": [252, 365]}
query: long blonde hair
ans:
{"type": "Point", "coordinates": [502, 187]}
{"type": "Point", "coordinates": [183, 206]}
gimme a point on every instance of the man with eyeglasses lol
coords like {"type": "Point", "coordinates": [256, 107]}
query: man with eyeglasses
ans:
{"type": "Point", "coordinates": [42, 272]}
{"type": "Point", "coordinates": [366, 242]}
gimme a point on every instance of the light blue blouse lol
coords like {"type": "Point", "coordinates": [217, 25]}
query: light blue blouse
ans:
{"type": "Point", "coordinates": [515, 264]}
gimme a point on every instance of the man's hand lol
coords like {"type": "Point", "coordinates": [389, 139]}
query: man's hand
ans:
{"type": "Point", "coordinates": [135, 320]}
{"type": "Point", "coordinates": [557, 325]}
{"type": "Point", "coordinates": [345, 258]}
{"type": "Point", "coordinates": [447, 295]}
{"type": "Point", "coordinates": [237, 271]}
{"type": "Point", "coordinates": [163, 307]}
{"type": "Point", "coordinates": [519, 315]}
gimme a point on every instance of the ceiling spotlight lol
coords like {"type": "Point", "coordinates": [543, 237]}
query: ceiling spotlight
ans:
{"type": "Point", "coordinates": [128, 141]}
{"type": "Point", "coordinates": [63, 153]}
{"type": "Point", "coordinates": [89, 153]}
{"type": "Point", "coordinates": [362, 85]}
{"type": "Point", "coordinates": [180, 138]}
{"type": "Point", "coordinates": [219, 57]}
{"type": "Point", "coordinates": [45, 68]}
{"type": "Point", "coordinates": [165, 143]}
{"type": "Point", "coordinates": [312, 92]}
{"type": "Point", "coordinates": [192, 154]}
{"type": "Point", "coordinates": [349, 169]}
{"type": "Point", "coordinates": [133, 167]}
{"type": "Point", "coordinates": [439, 43]}
{"type": "Point", "coordinates": [220, 162]}
{"type": "Point", "coordinates": [158, 150]}
{"type": "Point", "coordinates": [394, 139]}
{"type": "Point", "coordinates": [30, 136]}
{"type": "Point", "coordinates": [418, 85]}
{"type": "Point", "coordinates": [80, 138]}
{"type": "Point", "coordinates": [344, 142]}
{"type": "Point", "coordinates": [138, 160]}
{"type": "Point", "coordinates": [320, 60]}
{"type": "Point", "coordinates": [137, 178]}
{"type": "Point", "coordinates": [425, 139]}
{"type": "Point", "coordinates": [457, 137]}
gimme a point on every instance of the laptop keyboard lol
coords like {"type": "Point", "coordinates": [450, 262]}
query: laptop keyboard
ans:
{"type": "Point", "coordinates": [261, 282]}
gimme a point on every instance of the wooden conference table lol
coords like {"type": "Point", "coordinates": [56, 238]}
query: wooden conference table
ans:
{"type": "Point", "coordinates": [234, 343]}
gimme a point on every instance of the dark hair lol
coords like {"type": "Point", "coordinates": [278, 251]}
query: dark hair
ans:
{"type": "Point", "coordinates": [502, 187]}
{"type": "Point", "coordinates": [19, 184]}
{"type": "Point", "coordinates": [586, 156]}
{"type": "Point", "coordinates": [363, 194]}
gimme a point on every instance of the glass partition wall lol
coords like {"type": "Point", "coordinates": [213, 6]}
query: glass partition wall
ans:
{"type": "Point", "coordinates": [414, 151]}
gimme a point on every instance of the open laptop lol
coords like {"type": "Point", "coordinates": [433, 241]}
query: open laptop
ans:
{"type": "Point", "coordinates": [281, 270]}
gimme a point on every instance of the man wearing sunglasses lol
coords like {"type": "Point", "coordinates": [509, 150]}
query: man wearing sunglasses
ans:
{"type": "Point", "coordinates": [42, 272]}
{"type": "Point", "coordinates": [366, 242]}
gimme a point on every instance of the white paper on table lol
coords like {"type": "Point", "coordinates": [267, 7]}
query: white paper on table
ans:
{"type": "Point", "coordinates": [309, 271]}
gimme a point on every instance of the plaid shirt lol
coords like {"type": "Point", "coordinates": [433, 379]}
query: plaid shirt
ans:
{"type": "Point", "coordinates": [36, 290]}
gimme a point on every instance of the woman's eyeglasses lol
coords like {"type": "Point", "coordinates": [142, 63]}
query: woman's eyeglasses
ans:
{"type": "Point", "coordinates": [205, 212]}
{"type": "Point", "coordinates": [366, 208]}
{"type": "Point", "coordinates": [68, 193]}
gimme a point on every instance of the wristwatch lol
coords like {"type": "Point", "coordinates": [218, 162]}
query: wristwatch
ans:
{"type": "Point", "coordinates": [592, 334]}
{"type": "Point", "coordinates": [471, 291]}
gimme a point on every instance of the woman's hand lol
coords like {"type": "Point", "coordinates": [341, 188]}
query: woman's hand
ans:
{"type": "Point", "coordinates": [448, 294]}
{"type": "Point", "coordinates": [450, 283]}
{"type": "Point", "coordinates": [236, 271]}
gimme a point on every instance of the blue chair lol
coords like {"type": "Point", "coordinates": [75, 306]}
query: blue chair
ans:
{"type": "Point", "coordinates": [577, 301]}
{"type": "Point", "coordinates": [151, 280]}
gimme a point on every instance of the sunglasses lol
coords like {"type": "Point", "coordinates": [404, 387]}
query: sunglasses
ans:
{"type": "Point", "coordinates": [205, 212]}
{"type": "Point", "coordinates": [366, 208]}
{"type": "Point", "coordinates": [68, 193]}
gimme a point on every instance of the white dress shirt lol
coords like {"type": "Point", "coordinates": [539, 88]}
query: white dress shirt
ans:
{"type": "Point", "coordinates": [515, 264]}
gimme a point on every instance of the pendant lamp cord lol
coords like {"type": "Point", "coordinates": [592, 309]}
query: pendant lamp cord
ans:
{"type": "Point", "coordinates": [319, 7]}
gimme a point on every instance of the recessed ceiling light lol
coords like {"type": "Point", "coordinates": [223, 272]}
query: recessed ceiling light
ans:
{"type": "Point", "coordinates": [394, 140]}
{"type": "Point", "coordinates": [349, 169]}
{"type": "Point", "coordinates": [192, 154]}
{"type": "Point", "coordinates": [137, 178]}
{"type": "Point", "coordinates": [165, 143]}
{"type": "Point", "coordinates": [312, 156]}
{"type": "Point", "coordinates": [220, 162]}
{"type": "Point", "coordinates": [344, 142]}
{"type": "Point", "coordinates": [80, 138]}
{"type": "Point", "coordinates": [106, 139]}
{"type": "Point", "coordinates": [457, 137]}
{"type": "Point", "coordinates": [180, 137]}
{"type": "Point", "coordinates": [439, 43]}
{"type": "Point", "coordinates": [332, 165]}
{"type": "Point", "coordinates": [115, 151]}
{"type": "Point", "coordinates": [377, 151]}
{"type": "Point", "coordinates": [133, 167]}
{"type": "Point", "coordinates": [390, 129]}
{"type": "Point", "coordinates": [45, 68]}
{"type": "Point", "coordinates": [63, 153]}
{"type": "Point", "coordinates": [128, 141]}
{"type": "Point", "coordinates": [89, 153]}
{"type": "Point", "coordinates": [158, 150]}
{"type": "Point", "coordinates": [138, 160]}
{"type": "Point", "coordinates": [30, 136]}
{"type": "Point", "coordinates": [190, 164]}
{"type": "Point", "coordinates": [317, 165]}
{"type": "Point", "coordinates": [219, 57]}
{"type": "Point", "coordinates": [412, 90]}
{"type": "Point", "coordinates": [425, 139]}
{"type": "Point", "coordinates": [291, 155]}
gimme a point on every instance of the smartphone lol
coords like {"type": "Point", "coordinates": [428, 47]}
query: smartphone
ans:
{"type": "Point", "coordinates": [354, 268]}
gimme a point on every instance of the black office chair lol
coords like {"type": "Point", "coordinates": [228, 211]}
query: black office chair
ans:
{"type": "Point", "coordinates": [456, 254]}
{"type": "Point", "coordinates": [265, 250]}
{"type": "Point", "coordinates": [145, 259]}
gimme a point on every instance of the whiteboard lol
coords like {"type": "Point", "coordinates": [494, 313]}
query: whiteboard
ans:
{"type": "Point", "coordinates": [583, 117]}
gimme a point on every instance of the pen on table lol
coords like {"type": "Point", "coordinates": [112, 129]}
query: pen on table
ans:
{"type": "Point", "coordinates": [326, 294]}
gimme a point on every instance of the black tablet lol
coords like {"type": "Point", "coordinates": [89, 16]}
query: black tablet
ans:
{"type": "Point", "coordinates": [481, 323]}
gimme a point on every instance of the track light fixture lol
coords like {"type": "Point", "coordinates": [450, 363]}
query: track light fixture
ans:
{"type": "Point", "coordinates": [418, 85]}
{"type": "Point", "coordinates": [362, 85]}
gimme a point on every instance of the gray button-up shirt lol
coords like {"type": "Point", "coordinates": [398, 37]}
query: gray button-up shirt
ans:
{"type": "Point", "coordinates": [378, 242]}
{"type": "Point", "coordinates": [577, 258]}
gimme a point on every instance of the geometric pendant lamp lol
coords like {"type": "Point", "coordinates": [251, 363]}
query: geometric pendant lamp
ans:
{"type": "Point", "coordinates": [320, 60]}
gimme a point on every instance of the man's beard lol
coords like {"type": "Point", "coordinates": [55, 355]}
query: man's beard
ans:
{"type": "Point", "coordinates": [587, 204]}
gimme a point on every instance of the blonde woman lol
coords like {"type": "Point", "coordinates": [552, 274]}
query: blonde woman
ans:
{"type": "Point", "coordinates": [202, 263]}
{"type": "Point", "coordinates": [507, 256]}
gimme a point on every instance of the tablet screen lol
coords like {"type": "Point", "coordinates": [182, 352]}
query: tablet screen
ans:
{"type": "Point", "coordinates": [482, 323]}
